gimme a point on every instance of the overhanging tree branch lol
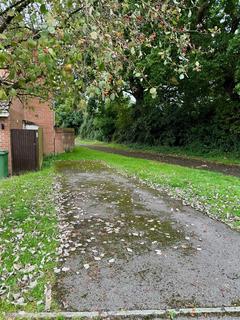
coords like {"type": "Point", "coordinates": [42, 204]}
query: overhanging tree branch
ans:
{"type": "Point", "coordinates": [72, 13]}
{"type": "Point", "coordinates": [202, 11]}
{"type": "Point", "coordinates": [18, 9]}
{"type": "Point", "coordinates": [11, 7]}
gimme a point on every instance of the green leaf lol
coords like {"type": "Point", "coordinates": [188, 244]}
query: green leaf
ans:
{"type": "Point", "coordinates": [13, 93]}
{"type": "Point", "coordinates": [153, 92]}
{"type": "Point", "coordinates": [112, 96]}
{"type": "Point", "coordinates": [69, 3]}
{"type": "Point", "coordinates": [51, 30]}
{"type": "Point", "coordinates": [3, 95]}
{"type": "Point", "coordinates": [3, 36]}
{"type": "Point", "coordinates": [94, 35]}
{"type": "Point", "coordinates": [11, 13]}
{"type": "Point", "coordinates": [3, 57]}
{"type": "Point", "coordinates": [31, 43]}
{"type": "Point", "coordinates": [51, 51]}
{"type": "Point", "coordinates": [107, 100]}
{"type": "Point", "coordinates": [101, 66]}
{"type": "Point", "coordinates": [237, 88]}
{"type": "Point", "coordinates": [43, 9]}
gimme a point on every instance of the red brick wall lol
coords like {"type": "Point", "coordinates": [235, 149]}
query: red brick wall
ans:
{"type": "Point", "coordinates": [38, 112]}
{"type": "Point", "coordinates": [64, 139]}
{"type": "Point", "coordinates": [41, 114]}
{"type": "Point", "coordinates": [16, 114]}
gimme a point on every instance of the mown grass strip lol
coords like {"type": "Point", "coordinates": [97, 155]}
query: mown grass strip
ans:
{"type": "Point", "coordinates": [210, 192]}
{"type": "Point", "coordinates": [214, 156]}
{"type": "Point", "coordinates": [28, 240]}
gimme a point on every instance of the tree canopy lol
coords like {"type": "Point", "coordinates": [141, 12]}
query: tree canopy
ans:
{"type": "Point", "coordinates": [95, 47]}
{"type": "Point", "coordinates": [179, 59]}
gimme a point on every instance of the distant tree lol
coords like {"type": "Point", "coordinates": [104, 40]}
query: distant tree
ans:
{"type": "Point", "coordinates": [68, 115]}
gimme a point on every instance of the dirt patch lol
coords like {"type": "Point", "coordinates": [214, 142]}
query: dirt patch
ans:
{"type": "Point", "coordinates": [126, 246]}
{"type": "Point", "coordinates": [232, 170]}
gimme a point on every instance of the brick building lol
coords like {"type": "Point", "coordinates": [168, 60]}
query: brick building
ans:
{"type": "Point", "coordinates": [33, 113]}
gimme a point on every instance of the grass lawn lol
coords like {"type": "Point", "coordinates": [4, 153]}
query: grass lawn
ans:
{"type": "Point", "coordinates": [28, 219]}
{"type": "Point", "coordinates": [28, 232]}
{"type": "Point", "coordinates": [212, 156]}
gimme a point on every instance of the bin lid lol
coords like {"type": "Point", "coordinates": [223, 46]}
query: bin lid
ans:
{"type": "Point", "coordinates": [3, 152]}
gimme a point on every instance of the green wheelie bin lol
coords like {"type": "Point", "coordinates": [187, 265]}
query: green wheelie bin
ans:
{"type": "Point", "coordinates": [3, 164]}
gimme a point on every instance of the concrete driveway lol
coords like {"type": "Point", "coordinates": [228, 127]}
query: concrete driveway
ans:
{"type": "Point", "coordinates": [125, 246]}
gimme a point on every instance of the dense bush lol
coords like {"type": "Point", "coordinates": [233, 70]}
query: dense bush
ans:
{"type": "Point", "coordinates": [213, 125]}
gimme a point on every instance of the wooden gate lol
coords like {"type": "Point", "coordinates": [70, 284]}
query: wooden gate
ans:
{"type": "Point", "coordinates": [25, 150]}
